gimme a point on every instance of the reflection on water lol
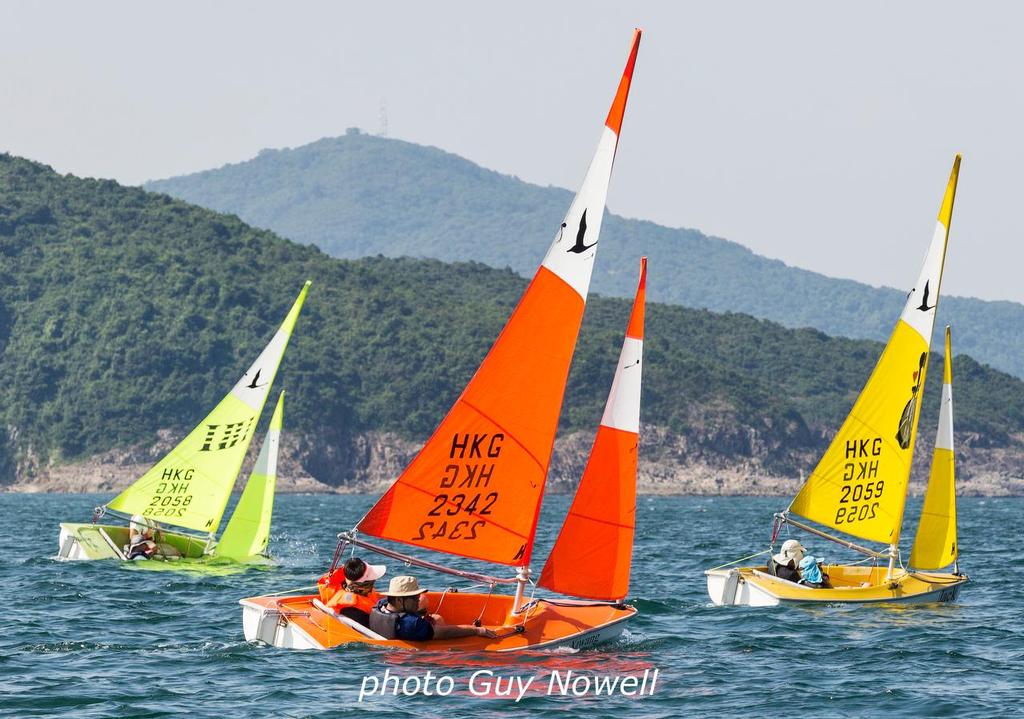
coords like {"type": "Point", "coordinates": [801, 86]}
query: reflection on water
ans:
{"type": "Point", "coordinates": [104, 639]}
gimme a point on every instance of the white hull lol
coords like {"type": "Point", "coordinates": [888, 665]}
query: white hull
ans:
{"type": "Point", "coordinates": [263, 625]}
{"type": "Point", "coordinates": [727, 588]}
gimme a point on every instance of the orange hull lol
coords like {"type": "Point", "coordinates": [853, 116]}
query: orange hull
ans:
{"type": "Point", "coordinates": [296, 622]}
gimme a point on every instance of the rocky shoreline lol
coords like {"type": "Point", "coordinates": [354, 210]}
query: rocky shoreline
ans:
{"type": "Point", "coordinates": [369, 462]}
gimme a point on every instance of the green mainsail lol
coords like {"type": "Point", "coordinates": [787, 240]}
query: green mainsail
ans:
{"type": "Point", "coordinates": [248, 530]}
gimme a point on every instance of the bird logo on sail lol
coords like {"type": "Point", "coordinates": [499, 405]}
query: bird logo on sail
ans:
{"type": "Point", "coordinates": [924, 300]}
{"type": "Point", "coordinates": [255, 380]}
{"type": "Point", "coordinates": [581, 233]}
{"type": "Point", "coordinates": [905, 431]}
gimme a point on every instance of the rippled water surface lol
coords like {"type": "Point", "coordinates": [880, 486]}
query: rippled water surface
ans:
{"type": "Point", "coordinates": [101, 639]}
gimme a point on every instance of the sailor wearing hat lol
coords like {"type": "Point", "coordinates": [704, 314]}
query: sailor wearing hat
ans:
{"type": "Point", "coordinates": [785, 564]}
{"type": "Point", "coordinates": [404, 614]}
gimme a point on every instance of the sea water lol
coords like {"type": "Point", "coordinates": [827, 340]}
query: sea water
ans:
{"type": "Point", "coordinates": [103, 639]}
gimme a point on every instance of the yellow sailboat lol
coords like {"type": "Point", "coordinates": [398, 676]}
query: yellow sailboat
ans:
{"type": "Point", "coordinates": [859, 487]}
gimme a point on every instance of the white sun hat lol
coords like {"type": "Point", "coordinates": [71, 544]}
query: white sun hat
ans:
{"type": "Point", "coordinates": [791, 550]}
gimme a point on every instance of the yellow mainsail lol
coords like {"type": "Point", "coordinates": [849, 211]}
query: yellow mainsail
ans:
{"type": "Point", "coordinates": [859, 487]}
{"type": "Point", "coordinates": [190, 486]}
{"type": "Point", "coordinates": [935, 543]}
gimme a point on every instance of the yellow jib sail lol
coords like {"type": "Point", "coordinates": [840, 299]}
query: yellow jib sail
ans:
{"type": "Point", "coordinates": [190, 486]}
{"type": "Point", "coordinates": [859, 487]}
{"type": "Point", "coordinates": [248, 530]}
{"type": "Point", "coordinates": [935, 542]}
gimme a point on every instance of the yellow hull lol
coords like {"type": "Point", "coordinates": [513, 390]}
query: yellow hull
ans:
{"type": "Point", "coordinates": [752, 586]}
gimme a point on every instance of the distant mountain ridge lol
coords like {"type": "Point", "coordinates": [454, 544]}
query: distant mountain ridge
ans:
{"type": "Point", "coordinates": [126, 315]}
{"type": "Point", "coordinates": [360, 195]}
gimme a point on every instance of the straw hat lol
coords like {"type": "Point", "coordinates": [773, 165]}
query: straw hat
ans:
{"type": "Point", "coordinates": [404, 587]}
{"type": "Point", "coordinates": [791, 549]}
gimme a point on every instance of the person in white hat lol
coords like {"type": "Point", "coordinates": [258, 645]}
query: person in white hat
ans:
{"type": "Point", "coordinates": [357, 594]}
{"type": "Point", "coordinates": [785, 564]}
{"type": "Point", "coordinates": [404, 614]}
{"type": "Point", "coordinates": [143, 536]}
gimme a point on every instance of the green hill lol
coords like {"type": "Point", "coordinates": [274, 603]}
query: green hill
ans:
{"type": "Point", "coordinates": [360, 195]}
{"type": "Point", "coordinates": [124, 311]}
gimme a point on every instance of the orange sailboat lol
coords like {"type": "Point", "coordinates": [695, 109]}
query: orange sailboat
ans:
{"type": "Point", "coordinates": [475, 488]}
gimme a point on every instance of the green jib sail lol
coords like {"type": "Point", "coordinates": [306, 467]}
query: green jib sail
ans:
{"type": "Point", "coordinates": [248, 529]}
{"type": "Point", "coordinates": [190, 486]}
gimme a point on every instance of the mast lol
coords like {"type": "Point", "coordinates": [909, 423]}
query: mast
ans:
{"type": "Point", "coordinates": [859, 486]}
{"type": "Point", "coordinates": [936, 253]}
{"type": "Point", "coordinates": [475, 488]}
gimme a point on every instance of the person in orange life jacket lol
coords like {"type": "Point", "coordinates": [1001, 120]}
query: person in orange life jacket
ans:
{"type": "Point", "coordinates": [350, 590]}
{"type": "Point", "coordinates": [785, 564]}
{"type": "Point", "coordinates": [330, 583]}
{"type": "Point", "coordinates": [404, 614]}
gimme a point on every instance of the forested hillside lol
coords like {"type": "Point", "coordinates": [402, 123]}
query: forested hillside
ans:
{"type": "Point", "coordinates": [123, 312]}
{"type": "Point", "coordinates": [361, 195]}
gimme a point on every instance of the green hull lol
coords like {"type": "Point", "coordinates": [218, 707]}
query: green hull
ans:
{"type": "Point", "coordinates": [106, 541]}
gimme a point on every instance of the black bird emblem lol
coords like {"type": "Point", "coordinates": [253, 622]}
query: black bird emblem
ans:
{"type": "Point", "coordinates": [924, 300]}
{"type": "Point", "coordinates": [253, 385]}
{"type": "Point", "coordinates": [580, 235]}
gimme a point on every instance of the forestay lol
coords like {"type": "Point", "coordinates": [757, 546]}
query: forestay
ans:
{"type": "Point", "coordinates": [475, 488]}
{"type": "Point", "coordinates": [190, 486]}
{"type": "Point", "coordinates": [860, 484]}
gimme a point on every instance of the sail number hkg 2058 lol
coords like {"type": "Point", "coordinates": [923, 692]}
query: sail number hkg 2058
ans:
{"type": "Point", "coordinates": [173, 494]}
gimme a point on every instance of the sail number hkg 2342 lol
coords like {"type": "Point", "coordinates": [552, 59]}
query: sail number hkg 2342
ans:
{"type": "Point", "coordinates": [458, 511]}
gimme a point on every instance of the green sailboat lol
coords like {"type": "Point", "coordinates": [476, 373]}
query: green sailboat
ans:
{"type": "Point", "coordinates": [185, 494]}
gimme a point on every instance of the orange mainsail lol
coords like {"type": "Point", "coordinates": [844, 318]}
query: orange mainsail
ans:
{"type": "Point", "coordinates": [475, 488]}
{"type": "Point", "coordinates": [593, 552]}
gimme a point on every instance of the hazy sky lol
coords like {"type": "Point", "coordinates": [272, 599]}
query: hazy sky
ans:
{"type": "Point", "coordinates": [815, 133]}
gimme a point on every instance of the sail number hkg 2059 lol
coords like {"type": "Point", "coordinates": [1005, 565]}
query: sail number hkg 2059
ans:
{"type": "Point", "coordinates": [858, 500]}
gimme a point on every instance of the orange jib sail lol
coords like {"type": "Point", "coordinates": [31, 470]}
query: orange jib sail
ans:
{"type": "Point", "coordinates": [475, 488]}
{"type": "Point", "coordinates": [594, 550]}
